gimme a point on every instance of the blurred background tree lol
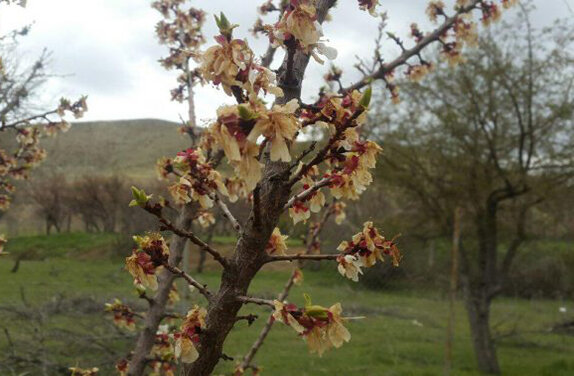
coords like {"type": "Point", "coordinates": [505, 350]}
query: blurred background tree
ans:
{"type": "Point", "coordinates": [493, 136]}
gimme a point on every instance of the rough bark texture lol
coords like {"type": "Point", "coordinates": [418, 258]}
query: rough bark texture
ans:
{"type": "Point", "coordinates": [156, 310]}
{"type": "Point", "coordinates": [478, 308]}
{"type": "Point", "coordinates": [249, 255]}
{"type": "Point", "coordinates": [482, 287]}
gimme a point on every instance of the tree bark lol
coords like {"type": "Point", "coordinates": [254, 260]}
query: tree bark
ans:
{"type": "Point", "coordinates": [478, 309]}
{"type": "Point", "coordinates": [272, 192]}
{"type": "Point", "coordinates": [480, 289]}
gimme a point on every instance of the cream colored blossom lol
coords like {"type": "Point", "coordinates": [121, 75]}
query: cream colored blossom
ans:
{"type": "Point", "coordinates": [3, 242]}
{"type": "Point", "coordinates": [336, 331]}
{"type": "Point", "coordinates": [261, 78]}
{"type": "Point", "coordinates": [350, 267]}
{"type": "Point", "coordinates": [76, 371]}
{"type": "Point", "coordinates": [299, 212]}
{"type": "Point", "coordinates": [205, 219]}
{"type": "Point", "coordinates": [370, 6]}
{"type": "Point", "coordinates": [339, 211]}
{"type": "Point", "coordinates": [222, 63]}
{"type": "Point", "coordinates": [276, 244]}
{"type": "Point", "coordinates": [190, 329]}
{"type": "Point", "coordinates": [280, 126]}
{"type": "Point", "coordinates": [281, 314]}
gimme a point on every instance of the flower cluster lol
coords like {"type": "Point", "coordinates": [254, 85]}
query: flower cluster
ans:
{"type": "Point", "coordinates": [299, 27]}
{"type": "Point", "coordinates": [180, 30]}
{"type": "Point", "coordinates": [198, 180]}
{"type": "Point", "coordinates": [163, 353]}
{"type": "Point", "coordinates": [370, 6]}
{"type": "Point", "coordinates": [348, 159]}
{"type": "Point", "coordinates": [227, 63]}
{"type": "Point", "coordinates": [122, 367]}
{"type": "Point", "coordinates": [147, 257]}
{"type": "Point", "coordinates": [279, 126]}
{"type": "Point", "coordinates": [17, 165]}
{"type": "Point", "coordinates": [188, 335]}
{"type": "Point", "coordinates": [123, 315]}
{"type": "Point", "coordinates": [75, 371]}
{"type": "Point", "coordinates": [364, 250]}
{"type": "Point", "coordinates": [230, 63]}
{"type": "Point", "coordinates": [237, 129]}
{"type": "Point", "coordinates": [321, 327]}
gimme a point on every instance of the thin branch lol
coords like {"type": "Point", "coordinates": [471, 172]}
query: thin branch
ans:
{"type": "Point", "coordinates": [227, 213]}
{"type": "Point", "coordinates": [167, 225]}
{"type": "Point", "coordinates": [322, 154]}
{"type": "Point", "coordinates": [192, 282]}
{"type": "Point", "coordinates": [407, 54]}
{"type": "Point", "coordinates": [302, 256]}
{"type": "Point", "coordinates": [308, 192]}
{"type": "Point", "coordinates": [258, 301]}
{"type": "Point", "coordinates": [249, 318]}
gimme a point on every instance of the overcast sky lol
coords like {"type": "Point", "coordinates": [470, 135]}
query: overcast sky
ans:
{"type": "Point", "coordinates": [107, 49]}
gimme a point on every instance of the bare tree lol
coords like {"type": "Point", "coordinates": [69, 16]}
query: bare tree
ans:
{"type": "Point", "coordinates": [52, 197]}
{"type": "Point", "coordinates": [21, 128]}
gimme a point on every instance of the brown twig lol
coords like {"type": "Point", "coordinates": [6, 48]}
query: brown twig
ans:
{"type": "Point", "coordinates": [227, 213]}
{"type": "Point", "coordinates": [167, 225]}
{"type": "Point", "coordinates": [192, 282]}
{"type": "Point", "coordinates": [415, 51]}
{"type": "Point", "coordinates": [252, 300]}
{"type": "Point", "coordinates": [302, 256]}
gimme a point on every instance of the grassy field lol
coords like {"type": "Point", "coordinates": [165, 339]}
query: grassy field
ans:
{"type": "Point", "coordinates": [51, 309]}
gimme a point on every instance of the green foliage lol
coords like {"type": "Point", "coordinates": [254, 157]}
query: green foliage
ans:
{"type": "Point", "coordinates": [62, 245]}
{"type": "Point", "coordinates": [403, 333]}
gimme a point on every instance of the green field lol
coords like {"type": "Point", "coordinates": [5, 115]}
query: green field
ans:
{"type": "Point", "coordinates": [52, 311]}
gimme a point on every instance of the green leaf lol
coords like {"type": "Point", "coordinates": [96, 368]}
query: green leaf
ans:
{"type": "Point", "coordinates": [366, 98]}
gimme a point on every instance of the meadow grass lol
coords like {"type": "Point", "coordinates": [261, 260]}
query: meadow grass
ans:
{"type": "Point", "coordinates": [403, 332]}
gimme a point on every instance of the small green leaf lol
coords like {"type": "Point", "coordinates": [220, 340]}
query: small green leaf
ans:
{"type": "Point", "coordinates": [307, 300]}
{"type": "Point", "coordinates": [245, 113]}
{"type": "Point", "coordinates": [366, 98]}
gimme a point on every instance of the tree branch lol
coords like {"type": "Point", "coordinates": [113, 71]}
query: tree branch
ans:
{"type": "Point", "coordinates": [258, 301]}
{"type": "Point", "coordinates": [201, 288]}
{"type": "Point", "coordinates": [302, 256]}
{"type": "Point", "coordinates": [407, 54]}
{"type": "Point", "coordinates": [167, 225]}
{"type": "Point", "coordinates": [308, 192]}
{"type": "Point", "coordinates": [227, 213]}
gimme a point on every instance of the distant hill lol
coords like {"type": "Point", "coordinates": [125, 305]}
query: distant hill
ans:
{"type": "Point", "coordinates": [125, 147]}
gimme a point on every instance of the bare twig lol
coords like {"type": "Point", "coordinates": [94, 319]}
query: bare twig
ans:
{"type": "Point", "coordinates": [258, 301]}
{"type": "Point", "coordinates": [227, 213]}
{"type": "Point", "coordinates": [188, 235]}
{"type": "Point", "coordinates": [249, 318]}
{"type": "Point", "coordinates": [303, 256]}
{"type": "Point", "coordinates": [177, 271]}
{"type": "Point", "coordinates": [415, 51]}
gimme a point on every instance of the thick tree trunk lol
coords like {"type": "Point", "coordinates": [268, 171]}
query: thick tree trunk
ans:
{"type": "Point", "coordinates": [272, 193]}
{"type": "Point", "coordinates": [478, 308]}
{"type": "Point", "coordinates": [479, 289]}
{"type": "Point", "coordinates": [248, 258]}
